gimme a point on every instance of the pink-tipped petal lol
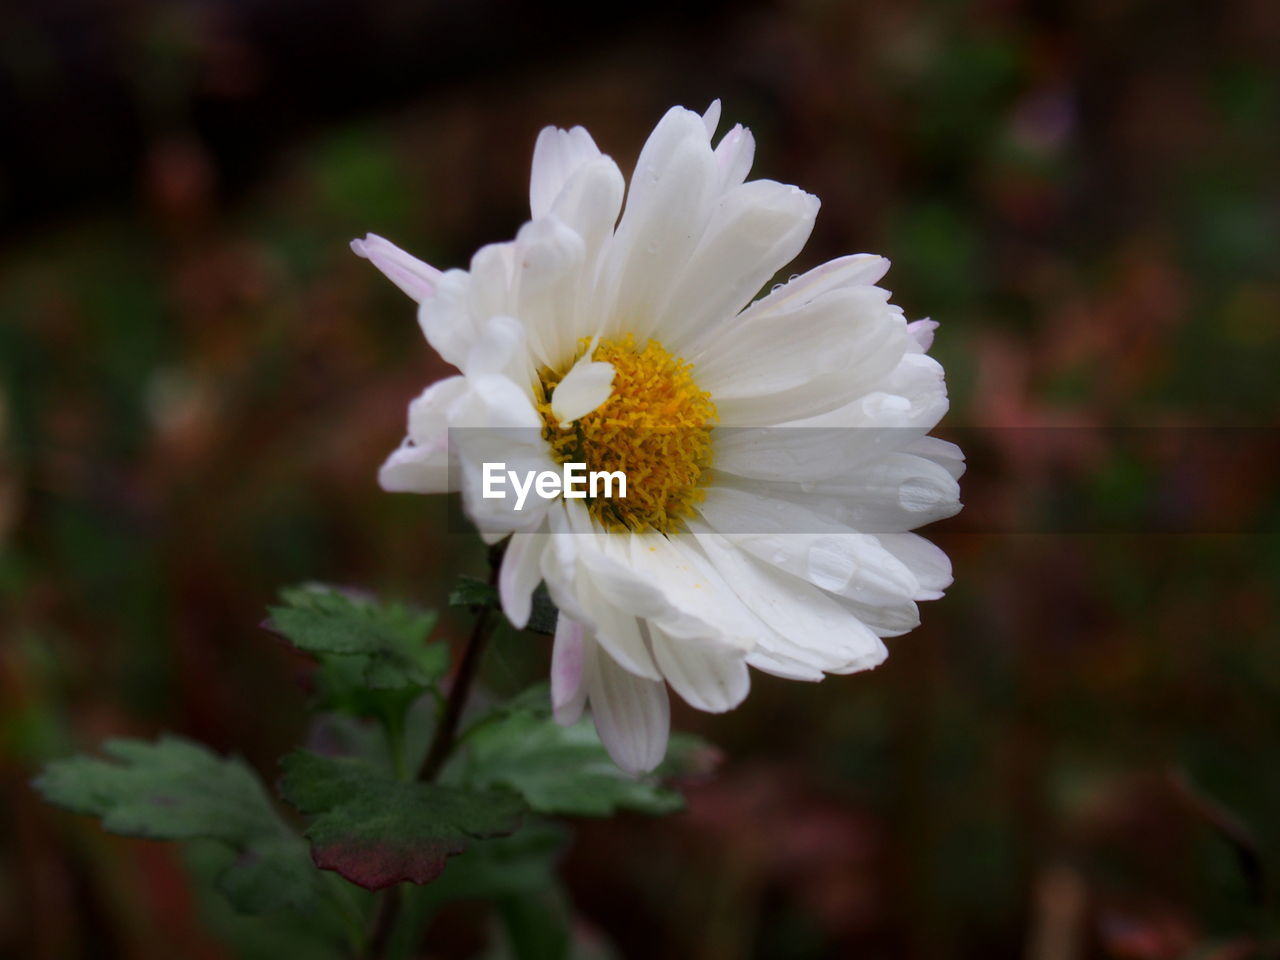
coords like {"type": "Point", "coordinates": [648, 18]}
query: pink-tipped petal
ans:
{"type": "Point", "coordinates": [407, 272]}
{"type": "Point", "coordinates": [568, 671]}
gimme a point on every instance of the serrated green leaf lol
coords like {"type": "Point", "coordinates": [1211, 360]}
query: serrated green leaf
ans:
{"type": "Point", "coordinates": [387, 641]}
{"type": "Point", "coordinates": [174, 789]}
{"type": "Point", "coordinates": [377, 831]}
{"type": "Point", "coordinates": [557, 770]}
{"type": "Point", "coordinates": [472, 592]}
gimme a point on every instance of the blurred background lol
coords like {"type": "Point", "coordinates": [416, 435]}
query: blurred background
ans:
{"type": "Point", "coordinates": [1074, 757]}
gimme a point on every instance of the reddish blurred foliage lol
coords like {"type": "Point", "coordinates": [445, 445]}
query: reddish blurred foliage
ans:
{"type": "Point", "coordinates": [198, 382]}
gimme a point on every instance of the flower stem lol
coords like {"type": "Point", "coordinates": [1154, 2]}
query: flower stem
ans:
{"type": "Point", "coordinates": [388, 912]}
{"type": "Point", "coordinates": [446, 732]}
{"type": "Point", "coordinates": [442, 743]}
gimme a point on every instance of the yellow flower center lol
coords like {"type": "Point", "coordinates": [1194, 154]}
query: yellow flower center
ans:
{"type": "Point", "coordinates": [655, 427]}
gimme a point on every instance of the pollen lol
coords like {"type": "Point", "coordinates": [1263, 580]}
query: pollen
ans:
{"type": "Point", "coordinates": [655, 427]}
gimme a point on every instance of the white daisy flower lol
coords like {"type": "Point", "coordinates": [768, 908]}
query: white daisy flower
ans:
{"type": "Point", "coordinates": [776, 451]}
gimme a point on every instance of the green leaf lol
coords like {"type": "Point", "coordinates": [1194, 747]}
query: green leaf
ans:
{"type": "Point", "coordinates": [499, 871]}
{"type": "Point", "coordinates": [174, 789]}
{"type": "Point", "coordinates": [388, 641]}
{"type": "Point", "coordinates": [538, 925]}
{"type": "Point", "coordinates": [320, 933]}
{"type": "Point", "coordinates": [506, 866]}
{"type": "Point", "coordinates": [472, 592]}
{"type": "Point", "coordinates": [557, 770]}
{"type": "Point", "coordinates": [376, 831]}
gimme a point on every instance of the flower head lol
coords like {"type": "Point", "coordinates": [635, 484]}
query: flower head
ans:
{"type": "Point", "coordinates": [776, 452]}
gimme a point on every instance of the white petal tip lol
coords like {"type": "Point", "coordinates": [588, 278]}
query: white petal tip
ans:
{"type": "Point", "coordinates": [582, 390]}
{"type": "Point", "coordinates": [712, 117]}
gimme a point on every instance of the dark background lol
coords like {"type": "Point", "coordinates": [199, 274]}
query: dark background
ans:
{"type": "Point", "coordinates": [1074, 757]}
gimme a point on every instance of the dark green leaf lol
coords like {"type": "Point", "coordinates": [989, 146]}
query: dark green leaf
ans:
{"type": "Point", "coordinates": [174, 789]}
{"type": "Point", "coordinates": [499, 870]}
{"type": "Point", "coordinates": [471, 592]}
{"type": "Point", "coordinates": [346, 684]}
{"type": "Point", "coordinates": [389, 641]}
{"type": "Point", "coordinates": [538, 925]}
{"type": "Point", "coordinates": [376, 831]}
{"type": "Point", "coordinates": [557, 770]}
{"type": "Point", "coordinates": [506, 866]}
{"type": "Point", "coordinates": [319, 933]}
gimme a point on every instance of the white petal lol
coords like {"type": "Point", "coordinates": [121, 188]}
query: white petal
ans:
{"type": "Point", "coordinates": [853, 270]}
{"type": "Point", "coordinates": [568, 671]}
{"type": "Point", "coordinates": [793, 538]}
{"type": "Point", "coordinates": [591, 199]}
{"type": "Point", "coordinates": [587, 385]}
{"type": "Point", "coordinates": [711, 118]}
{"type": "Point", "coordinates": [407, 272]}
{"type": "Point", "coordinates": [618, 634]}
{"type": "Point", "coordinates": [499, 348]}
{"type": "Point", "coordinates": [884, 619]}
{"type": "Point", "coordinates": [521, 571]}
{"type": "Point", "coordinates": [557, 155]}
{"type": "Point", "coordinates": [632, 715]}
{"type": "Point", "coordinates": [928, 561]}
{"type": "Point", "coordinates": [850, 334]}
{"type": "Point", "coordinates": [780, 665]}
{"type": "Point", "coordinates": [493, 276]}
{"type": "Point", "coordinates": [701, 606]}
{"type": "Point", "coordinates": [421, 465]}
{"type": "Point", "coordinates": [560, 564]}
{"type": "Point", "coordinates": [855, 325]}
{"type": "Point", "coordinates": [757, 228]}
{"type": "Point", "coordinates": [893, 494]}
{"type": "Point", "coordinates": [858, 269]}
{"type": "Point", "coordinates": [708, 676]}
{"type": "Point", "coordinates": [922, 333]}
{"type": "Point", "coordinates": [446, 318]}
{"type": "Point", "coordinates": [588, 205]}
{"type": "Point", "coordinates": [668, 205]}
{"type": "Point", "coordinates": [547, 267]}
{"type": "Point", "coordinates": [429, 411]}
{"type": "Point", "coordinates": [808, 627]}
{"type": "Point", "coordinates": [412, 469]}
{"type": "Point", "coordinates": [495, 422]}
{"type": "Point", "coordinates": [603, 563]}
{"type": "Point", "coordinates": [942, 452]}
{"type": "Point", "coordinates": [734, 154]}
{"type": "Point", "coordinates": [909, 401]}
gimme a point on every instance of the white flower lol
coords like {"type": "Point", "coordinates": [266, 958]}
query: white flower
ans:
{"type": "Point", "coordinates": [777, 452]}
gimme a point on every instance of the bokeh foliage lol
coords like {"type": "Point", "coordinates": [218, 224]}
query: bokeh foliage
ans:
{"type": "Point", "coordinates": [1074, 753]}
